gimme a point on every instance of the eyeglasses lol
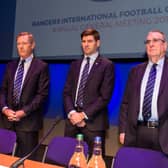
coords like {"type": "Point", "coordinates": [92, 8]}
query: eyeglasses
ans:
{"type": "Point", "coordinates": [153, 41]}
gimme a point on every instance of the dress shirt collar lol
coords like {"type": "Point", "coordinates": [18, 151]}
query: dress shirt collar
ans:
{"type": "Point", "coordinates": [28, 59]}
{"type": "Point", "coordinates": [159, 63]}
{"type": "Point", "coordinates": [92, 56]}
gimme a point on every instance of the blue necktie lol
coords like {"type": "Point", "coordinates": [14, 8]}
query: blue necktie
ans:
{"type": "Point", "coordinates": [83, 80]}
{"type": "Point", "coordinates": [18, 82]}
{"type": "Point", "coordinates": [146, 111]}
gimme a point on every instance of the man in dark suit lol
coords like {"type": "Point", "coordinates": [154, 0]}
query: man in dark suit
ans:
{"type": "Point", "coordinates": [23, 113]}
{"type": "Point", "coordinates": [136, 128]}
{"type": "Point", "coordinates": [89, 116]}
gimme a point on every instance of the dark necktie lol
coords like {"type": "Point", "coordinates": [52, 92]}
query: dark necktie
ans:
{"type": "Point", "coordinates": [18, 82]}
{"type": "Point", "coordinates": [146, 111]}
{"type": "Point", "coordinates": [83, 80]}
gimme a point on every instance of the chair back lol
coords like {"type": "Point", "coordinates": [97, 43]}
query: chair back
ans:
{"type": "Point", "coordinates": [139, 158]}
{"type": "Point", "coordinates": [60, 150]}
{"type": "Point", "coordinates": [7, 142]}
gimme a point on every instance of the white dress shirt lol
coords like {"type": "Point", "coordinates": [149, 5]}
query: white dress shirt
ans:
{"type": "Point", "coordinates": [91, 62]}
{"type": "Point", "coordinates": [154, 108]}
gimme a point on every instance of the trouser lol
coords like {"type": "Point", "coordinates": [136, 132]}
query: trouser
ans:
{"type": "Point", "coordinates": [89, 135]}
{"type": "Point", "coordinates": [26, 142]}
{"type": "Point", "coordinates": [148, 138]}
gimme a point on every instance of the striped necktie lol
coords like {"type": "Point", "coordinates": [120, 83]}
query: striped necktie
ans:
{"type": "Point", "coordinates": [18, 82]}
{"type": "Point", "coordinates": [83, 80]}
{"type": "Point", "coordinates": [146, 111]}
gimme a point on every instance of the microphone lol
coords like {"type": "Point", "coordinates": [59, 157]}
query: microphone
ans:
{"type": "Point", "coordinates": [20, 161]}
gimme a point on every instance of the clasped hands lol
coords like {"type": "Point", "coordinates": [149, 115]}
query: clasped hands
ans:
{"type": "Point", "coordinates": [14, 115]}
{"type": "Point", "coordinates": [78, 119]}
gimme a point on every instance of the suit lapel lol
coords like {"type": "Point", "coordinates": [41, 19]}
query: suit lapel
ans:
{"type": "Point", "coordinates": [30, 71]}
{"type": "Point", "coordinates": [94, 67]}
{"type": "Point", "coordinates": [77, 70]}
{"type": "Point", "coordinates": [139, 77]}
{"type": "Point", "coordinates": [15, 65]}
{"type": "Point", "coordinates": [13, 71]}
{"type": "Point", "coordinates": [164, 77]}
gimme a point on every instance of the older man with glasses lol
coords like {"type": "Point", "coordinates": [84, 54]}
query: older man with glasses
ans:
{"type": "Point", "coordinates": [144, 110]}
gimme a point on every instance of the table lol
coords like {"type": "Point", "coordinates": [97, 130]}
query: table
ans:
{"type": "Point", "coordinates": [6, 160]}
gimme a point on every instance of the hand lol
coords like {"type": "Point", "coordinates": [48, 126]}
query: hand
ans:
{"type": "Point", "coordinates": [122, 138]}
{"type": "Point", "coordinates": [81, 124]}
{"type": "Point", "coordinates": [76, 118]}
{"type": "Point", "coordinates": [19, 114]}
{"type": "Point", "coordinates": [10, 114]}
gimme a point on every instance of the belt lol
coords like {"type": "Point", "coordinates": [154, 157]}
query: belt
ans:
{"type": "Point", "coordinates": [149, 124]}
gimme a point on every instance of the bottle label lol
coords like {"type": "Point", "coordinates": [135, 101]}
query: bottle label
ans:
{"type": "Point", "coordinates": [73, 166]}
{"type": "Point", "coordinates": [78, 149]}
{"type": "Point", "coordinates": [97, 151]}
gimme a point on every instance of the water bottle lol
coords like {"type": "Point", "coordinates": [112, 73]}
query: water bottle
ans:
{"type": "Point", "coordinates": [78, 159]}
{"type": "Point", "coordinates": [96, 160]}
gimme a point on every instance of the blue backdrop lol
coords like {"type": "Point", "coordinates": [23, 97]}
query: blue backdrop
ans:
{"type": "Point", "coordinates": [58, 74]}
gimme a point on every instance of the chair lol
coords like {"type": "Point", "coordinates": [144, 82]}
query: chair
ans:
{"type": "Point", "coordinates": [131, 157]}
{"type": "Point", "coordinates": [7, 142]}
{"type": "Point", "coordinates": [60, 150]}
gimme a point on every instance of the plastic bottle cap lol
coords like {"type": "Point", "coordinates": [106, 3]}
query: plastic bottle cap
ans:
{"type": "Point", "coordinates": [79, 136]}
{"type": "Point", "coordinates": [97, 139]}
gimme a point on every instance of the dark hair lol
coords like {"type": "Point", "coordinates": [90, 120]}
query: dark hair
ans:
{"type": "Point", "coordinates": [92, 32]}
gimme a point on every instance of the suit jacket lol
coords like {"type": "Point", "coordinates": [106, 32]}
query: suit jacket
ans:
{"type": "Point", "coordinates": [34, 92]}
{"type": "Point", "coordinates": [131, 103]}
{"type": "Point", "coordinates": [98, 91]}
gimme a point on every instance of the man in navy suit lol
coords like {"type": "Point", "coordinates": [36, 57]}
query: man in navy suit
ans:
{"type": "Point", "coordinates": [135, 129]}
{"type": "Point", "coordinates": [25, 115]}
{"type": "Point", "coordinates": [90, 117]}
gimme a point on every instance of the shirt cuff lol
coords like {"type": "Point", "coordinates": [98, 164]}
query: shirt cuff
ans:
{"type": "Point", "coordinates": [86, 117]}
{"type": "Point", "coordinates": [4, 108]}
{"type": "Point", "coordinates": [74, 111]}
{"type": "Point", "coordinates": [70, 113]}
